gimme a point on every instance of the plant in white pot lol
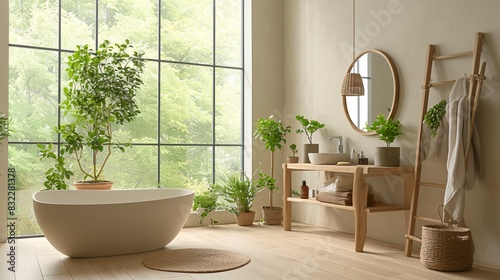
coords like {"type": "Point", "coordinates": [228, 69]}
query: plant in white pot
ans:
{"type": "Point", "coordinates": [387, 131]}
{"type": "Point", "coordinates": [308, 127]}
{"type": "Point", "coordinates": [272, 133]}
{"type": "Point", "coordinates": [239, 192]}
{"type": "Point", "coordinates": [101, 93]}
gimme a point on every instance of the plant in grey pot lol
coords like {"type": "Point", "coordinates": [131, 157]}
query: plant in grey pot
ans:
{"type": "Point", "coordinates": [308, 127]}
{"type": "Point", "coordinates": [293, 158]}
{"type": "Point", "coordinates": [239, 191]}
{"type": "Point", "coordinates": [387, 131]}
{"type": "Point", "coordinates": [272, 133]}
{"type": "Point", "coordinates": [101, 95]}
{"type": "Point", "coordinates": [203, 204]}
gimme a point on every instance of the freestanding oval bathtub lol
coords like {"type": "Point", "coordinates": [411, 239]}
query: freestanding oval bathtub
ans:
{"type": "Point", "coordinates": [115, 222]}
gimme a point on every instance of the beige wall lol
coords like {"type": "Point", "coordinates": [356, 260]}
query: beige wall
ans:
{"type": "Point", "coordinates": [267, 83]}
{"type": "Point", "coordinates": [317, 39]}
{"type": "Point", "coordinates": [4, 86]}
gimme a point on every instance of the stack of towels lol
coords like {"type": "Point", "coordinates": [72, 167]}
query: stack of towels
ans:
{"type": "Point", "coordinates": [339, 191]}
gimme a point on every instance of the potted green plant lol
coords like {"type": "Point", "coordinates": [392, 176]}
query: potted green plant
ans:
{"type": "Point", "coordinates": [101, 93]}
{"type": "Point", "coordinates": [308, 127]}
{"type": "Point", "coordinates": [387, 131]}
{"type": "Point", "coordinates": [239, 192]}
{"type": "Point", "coordinates": [203, 204]}
{"type": "Point", "coordinates": [272, 133]}
{"type": "Point", "coordinates": [293, 158]}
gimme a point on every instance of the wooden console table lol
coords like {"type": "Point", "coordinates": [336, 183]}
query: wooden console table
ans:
{"type": "Point", "coordinates": [360, 193]}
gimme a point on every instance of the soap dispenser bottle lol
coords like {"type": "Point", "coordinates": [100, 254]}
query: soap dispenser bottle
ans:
{"type": "Point", "coordinates": [362, 159]}
{"type": "Point", "coordinates": [304, 190]}
{"type": "Point", "coordinates": [354, 157]}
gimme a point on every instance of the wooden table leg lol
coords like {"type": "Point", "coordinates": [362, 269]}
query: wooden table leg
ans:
{"type": "Point", "coordinates": [359, 202]}
{"type": "Point", "coordinates": [287, 192]}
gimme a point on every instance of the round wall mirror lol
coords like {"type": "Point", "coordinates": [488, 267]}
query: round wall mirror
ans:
{"type": "Point", "coordinates": [380, 79]}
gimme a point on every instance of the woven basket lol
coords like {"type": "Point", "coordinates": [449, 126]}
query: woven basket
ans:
{"type": "Point", "coordinates": [446, 248]}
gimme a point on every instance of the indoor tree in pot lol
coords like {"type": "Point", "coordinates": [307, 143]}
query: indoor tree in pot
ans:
{"type": "Point", "coordinates": [239, 191]}
{"type": "Point", "coordinates": [387, 130]}
{"type": "Point", "coordinates": [308, 127]}
{"type": "Point", "coordinates": [101, 93]}
{"type": "Point", "coordinates": [272, 133]}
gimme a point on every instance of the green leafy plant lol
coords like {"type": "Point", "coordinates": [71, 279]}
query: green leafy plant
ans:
{"type": "Point", "coordinates": [293, 149]}
{"type": "Point", "coordinates": [267, 182]}
{"type": "Point", "coordinates": [308, 127]}
{"type": "Point", "coordinates": [238, 190]}
{"type": "Point", "coordinates": [434, 116]}
{"type": "Point", "coordinates": [101, 93]}
{"type": "Point", "coordinates": [56, 175]}
{"type": "Point", "coordinates": [387, 129]}
{"type": "Point", "coordinates": [206, 200]}
{"type": "Point", "coordinates": [272, 133]}
{"type": "Point", "coordinates": [5, 129]}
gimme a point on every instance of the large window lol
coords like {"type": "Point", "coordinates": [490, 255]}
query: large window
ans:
{"type": "Point", "coordinates": [191, 125]}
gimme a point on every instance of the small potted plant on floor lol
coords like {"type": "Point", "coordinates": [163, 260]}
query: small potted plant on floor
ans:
{"type": "Point", "coordinates": [101, 93]}
{"type": "Point", "coordinates": [293, 158]}
{"type": "Point", "coordinates": [308, 127]}
{"type": "Point", "coordinates": [239, 192]}
{"type": "Point", "coordinates": [273, 134]}
{"type": "Point", "coordinates": [387, 131]}
{"type": "Point", "coordinates": [203, 204]}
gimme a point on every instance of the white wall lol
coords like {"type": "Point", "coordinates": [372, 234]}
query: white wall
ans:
{"type": "Point", "coordinates": [317, 39]}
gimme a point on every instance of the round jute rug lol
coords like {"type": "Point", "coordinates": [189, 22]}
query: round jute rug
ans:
{"type": "Point", "coordinates": [195, 260]}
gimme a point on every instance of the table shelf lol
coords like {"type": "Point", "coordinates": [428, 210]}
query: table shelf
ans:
{"type": "Point", "coordinates": [375, 208]}
{"type": "Point", "coordinates": [360, 193]}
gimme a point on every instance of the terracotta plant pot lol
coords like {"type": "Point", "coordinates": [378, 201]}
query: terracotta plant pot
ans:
{"type": "Point", "coordinates": [309, 148]}
{"type": "Point", "coordinates": [245, 218]}
{"type": "Point", "coordinates": [387, 156]}
{"type": "Point", "coordinates": [292, 159]}
{"type": "Point", "coordinates": [87, 185]}
{"type": "Point", "coordinates": [272, 216]}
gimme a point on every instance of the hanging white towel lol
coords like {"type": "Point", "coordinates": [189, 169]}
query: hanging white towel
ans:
{"type": "Point", "coordinates": [460, 177]}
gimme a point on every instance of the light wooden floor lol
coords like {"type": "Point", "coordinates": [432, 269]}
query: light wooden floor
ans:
{"type": "Point", "coordinates": [306, 252]}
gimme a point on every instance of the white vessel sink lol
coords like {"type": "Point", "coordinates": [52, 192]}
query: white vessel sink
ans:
{"type": "Point", "coordinates": [328, 158]}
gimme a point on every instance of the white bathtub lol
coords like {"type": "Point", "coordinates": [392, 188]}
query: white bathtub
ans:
{"type": "Point", "coordinates": [115, 222]}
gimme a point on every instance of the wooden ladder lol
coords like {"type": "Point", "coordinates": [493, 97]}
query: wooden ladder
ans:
{"type": "Point", "coordinates": [476, 77]}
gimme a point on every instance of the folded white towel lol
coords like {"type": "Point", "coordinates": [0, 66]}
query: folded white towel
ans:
{"type": "Point", "coordinates": [341, 183]}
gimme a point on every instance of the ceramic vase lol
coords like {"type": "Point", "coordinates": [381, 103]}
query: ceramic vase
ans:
{"type": "Point", "coordinates": [272, 216]}
{"type": "Point", "coordinates": [245, 218]}
{"type": "Point", "coordinates": [309, 148]}
{"type": "Point", "coordinates": [387, 156]}
{"type": "Point", "coordinates": [292, 159]}
{"type": "Point", "coordinates": [86, 185]}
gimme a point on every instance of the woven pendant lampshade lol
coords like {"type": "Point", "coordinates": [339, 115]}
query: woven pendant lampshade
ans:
{"type": "Point", "coordinates": [352, 85]}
